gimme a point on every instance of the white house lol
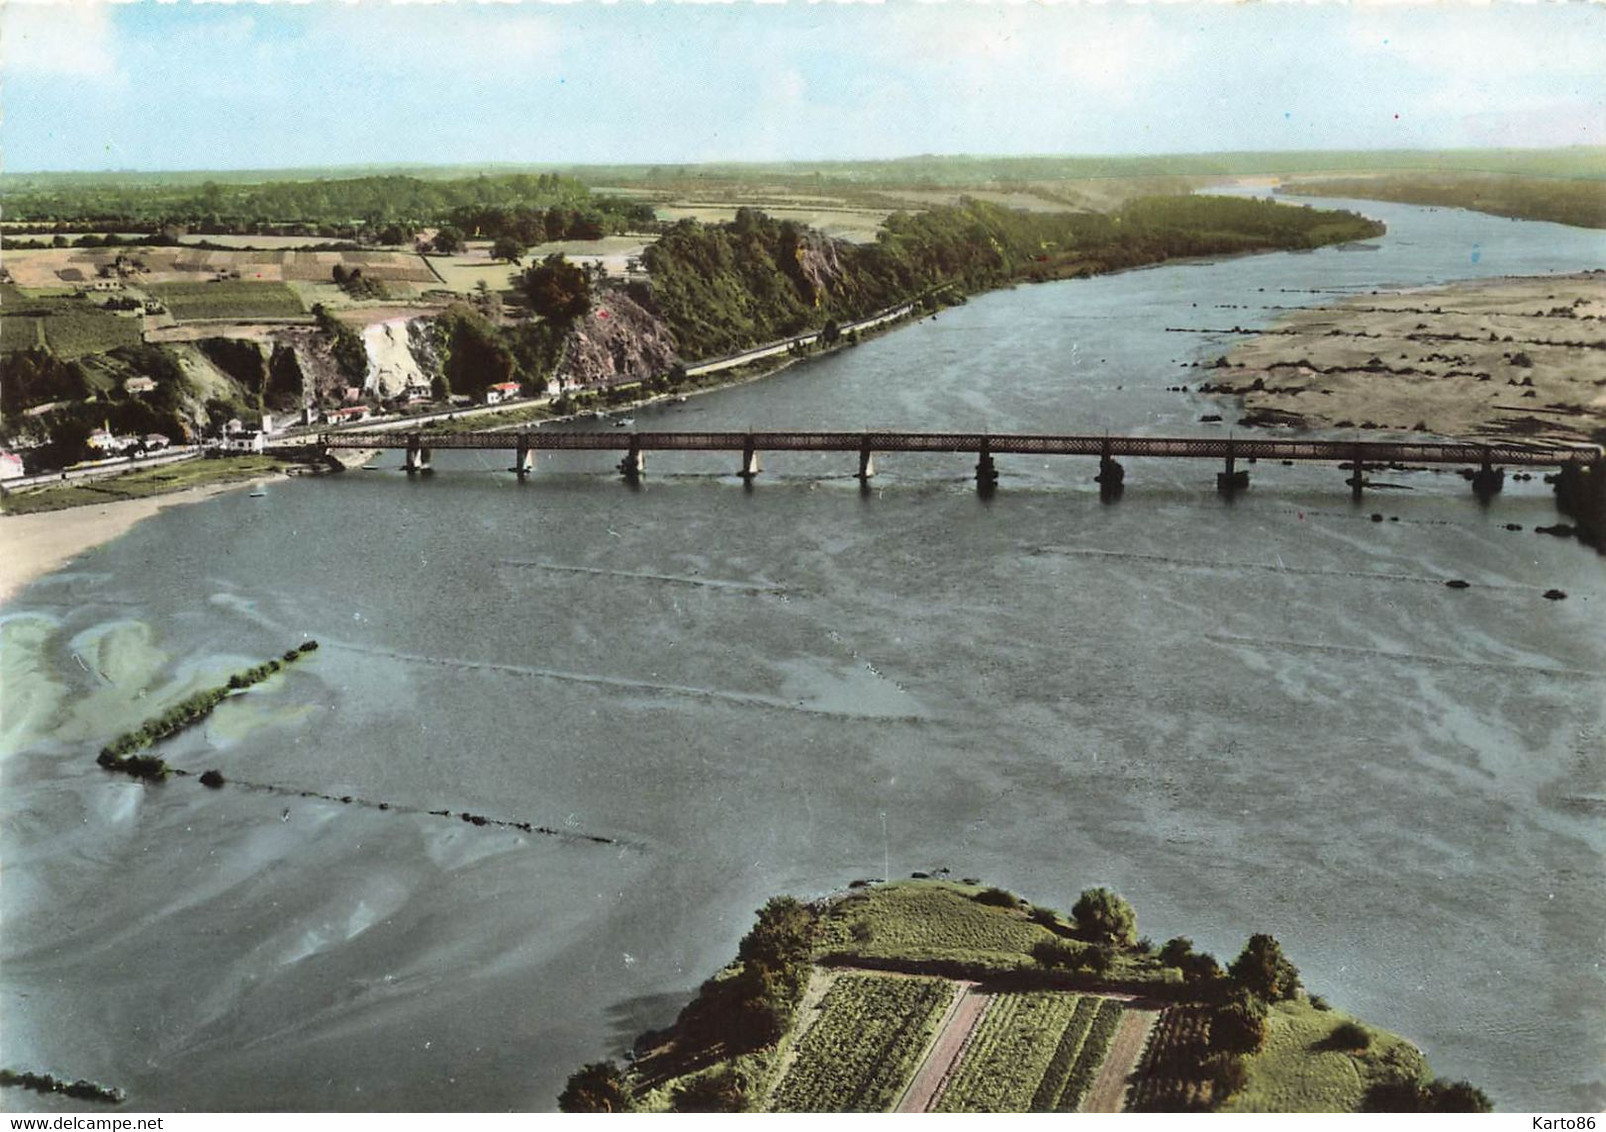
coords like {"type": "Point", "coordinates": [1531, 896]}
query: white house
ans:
{"type": "Point", "coordinates": [501, 391]}
{"type": "Point", "coordinates": [155, 442]}
{"type": "Point", "coordinates": [138, 385]}
{"type": "Point", "coordinates": [246, 440]}
{"type": "Point", "coordinates": [10, 466]}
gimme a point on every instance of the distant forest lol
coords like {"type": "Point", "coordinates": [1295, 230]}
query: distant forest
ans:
{"type": "Point", "coordinates": [724, 287]}
{"type": "Point", "coordinates": [1581, 203]}
{"type": "Point", "coordinates": [529, 207]}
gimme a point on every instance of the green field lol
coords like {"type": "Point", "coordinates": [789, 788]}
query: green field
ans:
{"type": "Point", "coordinates": [71, 328]}
{"type": "Point", "coordinates": [861, 1050]}
{"type": "Point", "coordinates": [228, 299]}
{"type": "Point", "coordinates": [931, 921]}
{"type": "Point", "coordinates": [1009, 1053]}
{"type": "Point", "coordinates": [1298, 1071]}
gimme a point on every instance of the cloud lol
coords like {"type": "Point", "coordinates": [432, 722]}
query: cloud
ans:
{"type": "Point", "coordinates": [50, 40]}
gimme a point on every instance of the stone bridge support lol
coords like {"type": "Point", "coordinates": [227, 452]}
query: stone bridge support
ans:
{"type": "Point", "coordinates": [1230, 480]}
{"type": "Point", "coordinates": [750, 466]}
{"type": "Point", "coordinates": [1357, 479]}
{"type": "Point", "coordinates": [634, 464]}
{"type": "Point", "coordinates": [417, 454]}
{"type": "Point", "coordinates": [866, 460]}
{"type": "Point", "coordinates": [523, 457]}
{"type": "Point", "coordinates": [986, 470]}
{"type": "Point", "coordinates": [1487, 481]}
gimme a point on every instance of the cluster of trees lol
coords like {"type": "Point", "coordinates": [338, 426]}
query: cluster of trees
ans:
{"type": "Point", "coordinates": [726, 287]}
{"type": "Point", "coordinates": [476, 353]}
{"type": "Point", "coordinates": [744, 1008]}
{"type": "Point", "coordinates": [121, 754]}
{"type": "Point", "coordinates": [359, 286]}
{"type": "Point", "coordinates": [377, 209]}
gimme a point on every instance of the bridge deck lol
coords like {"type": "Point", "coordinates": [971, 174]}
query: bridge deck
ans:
{"type": "Point", "coordinates": [1371, 451]}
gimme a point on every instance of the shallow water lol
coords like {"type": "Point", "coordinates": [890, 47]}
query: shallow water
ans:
{"type": "Point", "coordinates": [1263, 715]}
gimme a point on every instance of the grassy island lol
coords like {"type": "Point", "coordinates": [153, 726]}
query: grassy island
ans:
{"type": "Point", "coordinates": [934, 996]}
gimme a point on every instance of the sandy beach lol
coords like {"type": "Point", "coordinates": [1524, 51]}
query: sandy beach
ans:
{"type": "Point", "coordinates": [32, 546]}
{"type": "Point", "coordinates": [1499, 357]}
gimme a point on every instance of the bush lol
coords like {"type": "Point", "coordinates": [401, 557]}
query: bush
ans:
{"type": "Point", "coordinates": [997, 898]}
{"type": "Point", "coordinates": [1099, 959]}
{"type": "Point", "coordinates": [1057, 953]}
{"type": "Point", "coordinates": [722, 1090]}
{"type": "Point", "coordinates": [1349, 1036]}
{"type": "Point", "coordinates": [1103, 916]}
{"type": "Point", "coordinates": [1239, 1025]}
{"type": "Point", "coordinates": [213, 779]}
{"type": "Point", "coordinates": [307, 646]}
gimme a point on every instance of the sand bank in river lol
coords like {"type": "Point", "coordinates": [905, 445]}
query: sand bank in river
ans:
{"type": "Point", "coordinates": [32, 546]}
{"type": "Point", "coordinates": [1499, 357]}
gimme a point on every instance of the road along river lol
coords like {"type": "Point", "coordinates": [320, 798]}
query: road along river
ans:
{"type": "Point", "coordinates": [1262, 715]}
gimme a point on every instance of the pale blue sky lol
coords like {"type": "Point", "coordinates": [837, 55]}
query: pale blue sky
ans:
{"type": "Point", "coordinates": [215, 86]}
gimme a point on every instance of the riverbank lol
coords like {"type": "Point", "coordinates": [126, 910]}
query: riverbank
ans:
{"type": "Point", "coordinates": [1509, 357]}
{"type": "Point", "coordinates": [42, 542]}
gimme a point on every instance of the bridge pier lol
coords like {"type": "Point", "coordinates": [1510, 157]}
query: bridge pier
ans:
{"type": "Point", "coordinates": [1231, 480]}
{"type": "Point", "coordinates": [417, 454]}
{"type": "Point", "coordinates": [750, 466]}
{"type": "Point", "coordinates": [1487, 481]}
{"type": "Point", "coordinates": [1358, 479]}
{"type": "Point", "coordinates": [866, 460]}
{"type": "Point", "coordinates": [634, 464]}
{"type": "Point", "coordinates": [524, 457]}
{"type": "Point", "coordinates": [986, 470]}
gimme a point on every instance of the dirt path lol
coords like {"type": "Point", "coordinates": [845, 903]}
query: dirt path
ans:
{"type": "Point", "coordinates": [963, 1014]}
{"type": "Point", "coordinates": [1108, 1093]}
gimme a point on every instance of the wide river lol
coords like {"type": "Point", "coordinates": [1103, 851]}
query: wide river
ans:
{"type": "Point", "coordinates": [1263, 715]}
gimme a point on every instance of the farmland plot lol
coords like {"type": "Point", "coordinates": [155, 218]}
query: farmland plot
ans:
{"type": "Point", "coordinates": [1002, 1066]}
{"type": "Point", "coordinates": [228, 299]}
{"type": "Point", "coordinates": [1091, 1056]}
{"type": "Point", "coordinates": [867, 1039]}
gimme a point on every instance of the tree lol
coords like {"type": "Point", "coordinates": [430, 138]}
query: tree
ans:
{"type": "Point", "coordinates": [448, 240]}
{"type": "Point", "coordinates": [509, 248]}
{"type": "Point", "coordinates": [557, 289]}
{"type": "Point", "coordinates": [1239, 1024]}
{"type": "Point", "coordinates": [1103, 916]}
{"type": "Point", "coordinates": [1262, 970]}
{"type": "Point", "coordinates": [598, 1087]}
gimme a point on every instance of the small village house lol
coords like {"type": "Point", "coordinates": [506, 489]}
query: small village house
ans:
{"type": "Point", "coordinates": [11, 466]}
{"type": "Point", "coordinates": [501, 391]}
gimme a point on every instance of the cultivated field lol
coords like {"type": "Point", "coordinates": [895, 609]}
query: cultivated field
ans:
{"type": "Point", "coordinates": [72, 328]}
{"type": "Point", "coordinates": [1003, 1066]}
{"type": "Point", "coordinates": [65, 267]}
{"type": "Point", "coordinates": [228, 299]}
{"type": "Point", "coordinates": [863, 1045]}
{"type": "Point", "coordinates": [858, 225]}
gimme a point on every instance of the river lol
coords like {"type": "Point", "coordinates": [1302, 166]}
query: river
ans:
{"type": "Point", "coordinates": [1260, 715]}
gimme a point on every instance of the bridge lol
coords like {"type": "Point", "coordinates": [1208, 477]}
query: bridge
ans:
{"type": "Point", "coordinates": [1357, 456]}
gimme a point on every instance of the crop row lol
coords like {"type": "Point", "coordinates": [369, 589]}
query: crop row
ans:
{"type": "Point", "coordinates": [862, 1047]}
{"type": "Point", "coordinates": [1059, 1066]}
{"type": "Point", "coordinates": [1094, 1047]}
{"type": "Point", "coordinates": [1005, 1059]}
{"type": "Point", "coordinates": [1172, 1076]}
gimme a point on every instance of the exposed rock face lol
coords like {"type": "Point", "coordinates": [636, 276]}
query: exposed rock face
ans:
{"type": "Point", "coordinates": [617, 340]}
{"type": "Point", "coordinates": [324, 381]}
{"type": "Point", "coordinates": [817, 269]}
{"type": "Point", "coordinates": [394, 362]}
